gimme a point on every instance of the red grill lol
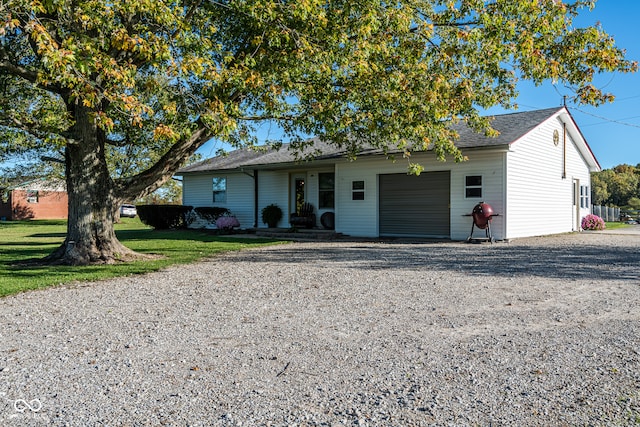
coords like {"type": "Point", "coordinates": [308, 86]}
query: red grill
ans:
{"type": "Point", "coordinates": [482, 215]}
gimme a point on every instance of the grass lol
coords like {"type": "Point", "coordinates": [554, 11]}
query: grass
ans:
{"type": "Point", "coordinates": [22, 241]}
{"type": "Point", "coordinates": [614, 225]}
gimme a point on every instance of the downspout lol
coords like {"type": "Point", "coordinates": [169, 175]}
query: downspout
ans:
{"type": "Point", "coordinates": [255, 198]}
{"type": "Point", "coordinates": [505, 196]}
{"type": "Point", "coordinates": [564, 150]}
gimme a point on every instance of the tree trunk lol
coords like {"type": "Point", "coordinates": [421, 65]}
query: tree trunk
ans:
{"type": "Point", "coordinates": [91, 236]}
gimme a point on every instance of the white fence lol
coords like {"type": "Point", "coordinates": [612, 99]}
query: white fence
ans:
{"type": "Point", "coordinates": [606, 213]}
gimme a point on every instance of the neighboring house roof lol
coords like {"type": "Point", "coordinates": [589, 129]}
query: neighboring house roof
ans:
{"type": "Point", "coordinates": [41, 185]}
{"type": "Point", "coordinates": [511, 128]}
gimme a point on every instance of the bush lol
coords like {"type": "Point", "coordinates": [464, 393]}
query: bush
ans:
{"type": "Point", "coordinates": [592, 222]}
{"type": "Point", "coordinates": [162, 217]}
{"type": "Point", "coordinates": [211, 214]}
{"type": "Point", "coordinates": [205, 216]}
{"type": "Point", "coordinates": [227, 223]}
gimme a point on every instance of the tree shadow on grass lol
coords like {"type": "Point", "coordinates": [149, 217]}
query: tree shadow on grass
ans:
{"type": "Point", "coordinates": [505, 260]}
{"type": "Point", "coordinates": [48, 235]}
{"type": "Point", "coordinates": [31, 254]}
{"type": "Point", "coordinates": [197, 235]}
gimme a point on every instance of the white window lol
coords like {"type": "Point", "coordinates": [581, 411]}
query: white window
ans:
{"type": "Point", "coordinates": [32, 196]}
{"type": "Point", "coordinates": [357, 190]}
{"type": "Point", "coordinates": [473, 187]}
{"type": "Point", "coordinates": [219, 189]}
{"type": "Point", "coordinates": [326, 193]}
{"type": "Point", "coordinates": [584, 196]}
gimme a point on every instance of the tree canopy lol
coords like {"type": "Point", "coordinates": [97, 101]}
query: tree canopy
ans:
{"type": "Point", "coordinates": [618, 186]}
{"type": "Point", "coordinates": [96, 83]}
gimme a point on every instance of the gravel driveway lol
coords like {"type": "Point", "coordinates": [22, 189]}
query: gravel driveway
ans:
{"type": "Point", "coordinates": [541, 331]}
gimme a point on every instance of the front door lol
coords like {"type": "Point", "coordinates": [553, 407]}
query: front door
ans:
{"type": "Point", "coordinates": [576, 205]}
{"type": "Point", "coordinates": [298, 194]}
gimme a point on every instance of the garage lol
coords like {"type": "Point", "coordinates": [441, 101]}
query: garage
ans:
{"type": "Point", "coordinates": [415, 206]}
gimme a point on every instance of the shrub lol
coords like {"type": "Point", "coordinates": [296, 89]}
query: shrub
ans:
{"type": "Point", "coordinates": [205, 216]}
{"type": "Point", "coordinates": [227, 223]}
{"type": "Point", "coordinates": [162, 217]}
{"type": "Point", "coordinates": [271, 215]}
{"type": "Point", "coordinates": [211, 213]}
{"type": "Point", "coordinates": [592, 222]}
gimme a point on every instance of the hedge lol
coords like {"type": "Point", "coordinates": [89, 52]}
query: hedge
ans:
{"type": "Point", "coordinates": [211, 214]}
{"type": "Point", "coordinates": [162, 217]}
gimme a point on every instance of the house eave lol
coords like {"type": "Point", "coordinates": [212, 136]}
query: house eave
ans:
{"type": "Point", "coordinates": [331, 160]}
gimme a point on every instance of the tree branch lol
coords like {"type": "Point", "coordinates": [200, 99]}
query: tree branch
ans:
{"type": "Point", "coordinates": [26, 74]}
{"type": "Point", "coordinates": [192, 10]}
{"type": "Point", "coordinates": [151, 179]}
{"type": "Point", "coordinates": [18, 71]}
{"type": "Point", "coordinates": [265, 117]}
{"type": "Point", "coordinates": [52, 159]}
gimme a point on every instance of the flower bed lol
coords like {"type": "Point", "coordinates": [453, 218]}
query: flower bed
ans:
{"type": "Point", "coordinates": [593, 222]}
{"type": "Point", "coordinates": [227, 223]}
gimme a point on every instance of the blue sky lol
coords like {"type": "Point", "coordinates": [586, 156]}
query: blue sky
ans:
{"type": "Point", "coordinates": [611, 130]}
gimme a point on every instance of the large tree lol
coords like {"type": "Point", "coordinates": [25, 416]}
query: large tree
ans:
{"type": "Point", "coordinates": [155, 79]}
{"type": "Point", "coordinates": [616, 186]}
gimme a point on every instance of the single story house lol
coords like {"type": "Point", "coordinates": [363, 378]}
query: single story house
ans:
{"type": "Point", "coordinates": [535, 175]}
{"type": "Point", "coordinates": [38, 199]}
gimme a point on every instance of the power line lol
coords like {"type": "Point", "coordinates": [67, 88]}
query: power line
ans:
{"type": "Point", "coordinates": [606, 119]}
{"type": "Point", "coordinates": [627, 97]}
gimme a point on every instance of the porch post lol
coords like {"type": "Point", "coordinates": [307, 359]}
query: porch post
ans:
{"type": "Point", "coordinates": [255, 198]}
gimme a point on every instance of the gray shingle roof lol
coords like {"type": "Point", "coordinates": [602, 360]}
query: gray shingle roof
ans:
{"type": "Point", "coordinates": [231, 160]}
{"type": "Point", "coordinates": [511, 127]}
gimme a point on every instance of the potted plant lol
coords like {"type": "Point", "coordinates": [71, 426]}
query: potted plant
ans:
{"type": "Point", "coordinates": [271, 215]}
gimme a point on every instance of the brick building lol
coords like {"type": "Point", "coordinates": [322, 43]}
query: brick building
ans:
{"type": "Point", "coordinates": [34, 200]}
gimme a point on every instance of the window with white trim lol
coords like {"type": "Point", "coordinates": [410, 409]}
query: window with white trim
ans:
{"type": "Point", "coordinates": [357, 190]}
{"type": "Point", "coordinates": [473, 187]}
{"type": "Point", "coordinates": [32, 196]}
{"type": "Point", "coordinates": [584, 196]}
{"type": "Point", "coordinates": [326, 190]}
{"type": "Point", "coordinates": [219, 189]}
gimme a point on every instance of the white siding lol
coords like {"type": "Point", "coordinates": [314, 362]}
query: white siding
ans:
{"type": "Point", "coordinates": [273, 188]}
{"type": "Point", "coordinates": [489, 165]}
{"type": "Point", "coordinates": [577, 170]}
{"type": "Point", "coordinates": [357, 217]}
{"type": "Point", "coordinates": [360, 217]}
{"type": "Point", "coordinates": [198, 191]}
{"type": "Point", "coordinates": [539, 198]}
{"type": "Point", "coordinates": [313, 191]}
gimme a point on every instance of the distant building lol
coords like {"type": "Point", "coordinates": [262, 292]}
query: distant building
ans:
{"type": "Point", "coordinates": [34, 200]}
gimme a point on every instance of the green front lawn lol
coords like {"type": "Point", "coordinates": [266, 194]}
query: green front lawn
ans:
{"type": "Point", "coordinates": [614, 225]}
{"type": "Point", "coordinates": [22, 241]}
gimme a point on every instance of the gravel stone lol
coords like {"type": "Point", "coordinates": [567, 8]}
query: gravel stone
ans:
{"type": "Point", "coordinates": [537, 332]}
